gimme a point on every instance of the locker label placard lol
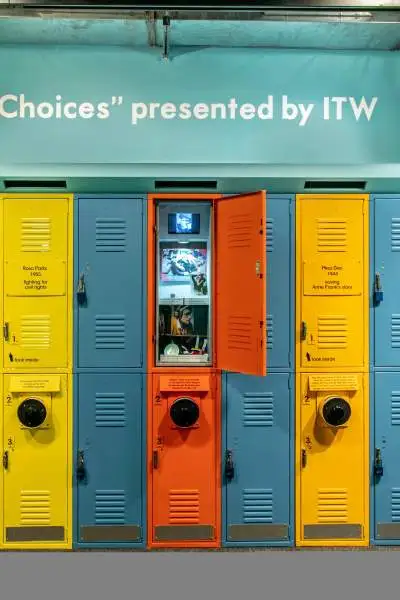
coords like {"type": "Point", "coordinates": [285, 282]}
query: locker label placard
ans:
{"type": "Point", "coordinates": [36, 278]}
{"type": "Point", "coordinates": [180, 383]}
{"type": "Point", "coordinates": [332, 278]}
{"type": "Point", "coordinates": [35, 383]}
{"type": "Point", "coordinates": [331, 382]}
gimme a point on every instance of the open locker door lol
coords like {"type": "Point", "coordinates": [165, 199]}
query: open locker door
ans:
{"type": "Point", "coordinates": [241, 267]}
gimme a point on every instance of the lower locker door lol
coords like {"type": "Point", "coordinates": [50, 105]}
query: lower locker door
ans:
{"type": "Point", "coordinates": [35, 465]}
{"type": "Point", "coordinates": [387, 455]}
{"type": "Point", "coordinates": [109, 460]}
{"type": "Point", "coordinates": [257, 459]}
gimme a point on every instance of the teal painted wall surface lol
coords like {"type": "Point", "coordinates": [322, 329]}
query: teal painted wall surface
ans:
{"type": "Point", "coordinates": [94, 75]}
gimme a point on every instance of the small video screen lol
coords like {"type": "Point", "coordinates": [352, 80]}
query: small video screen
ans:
{"type": "Point", "coordinates": [184, 223]}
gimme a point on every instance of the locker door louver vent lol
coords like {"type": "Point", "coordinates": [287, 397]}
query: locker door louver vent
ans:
{"type": "Point", "coordinates": [35, 235]}
{"type": "Point", "coordinates": [184, 507]}
{"type": "Point", "coordinates": [35, 507]}
{"type": "Point", "coordinates": [110, 410]}
{"type": "Point", "coordinates": [395, 231]}
{"type": "Point", "coordinates": [35, 332]}
{"type": "Point", "coordinates": [258, 409]}
{"type": "Point", "coordinates": [332, 506]}
{"type": "Point", "coordinates": [395, 408]}
{"type": "Point", "coordinates": [239, 232]}
{"type": "Point", "coordinates": [270, 332]}
{"type": "Point", "coordinates": [239, 336]}
{"type": "Point", "coordinates": [331, 235]}
{"type": "Point", "coordinates": [395, 331]}
{"type": "Point", "coordinates": [332, 332]}
{"type": "Point", "coordinates": [396, 505]}
{"type": "Point", "coordinates": [110, 235]}
{"type": "Point", "coordinates": [110, 507]}
{"type": "Point", "coordinates": [270, 235]}
{"type": "Point", "coordinates": [110, 332]}
{"type": "Point", "coordinates": [257, 505]}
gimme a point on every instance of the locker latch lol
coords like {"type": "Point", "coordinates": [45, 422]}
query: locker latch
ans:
{"type": "Point", "coordinates": [303, 331]}
{"type": "Point", "coordinates": [155, 459]}
{"type": "Point", "coordinates": [229, 466]}
{"type": "Point", "coordinates": [378, 292]}
{"type": "Point", "coordinates": [81, 289]}
{"type": "Point", "coordinates": [80, 466]}
{"type": "Point", "coordinates": [378, 466]}
{"type": "Point", "coordinates": [5, 459]}
{"type": "Point", "coordinates": [6, 333]}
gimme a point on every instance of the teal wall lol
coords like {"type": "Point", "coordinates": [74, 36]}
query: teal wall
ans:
{"type": "Point", "coordinates": [102, 146]}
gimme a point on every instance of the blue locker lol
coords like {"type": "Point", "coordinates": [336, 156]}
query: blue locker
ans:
{"type": "Point", "coordinates": [385, 464]}
{"type": "Point", "coordinates": [110, 282]}
{"type": "Point", "coordinates": [386, 282]}
{"type": "Point", "coordinates": [258, 416]}
{"type": "Point", "coordinates": [258, 470]}
{"type": "Point", "coordinates": [110, 463]}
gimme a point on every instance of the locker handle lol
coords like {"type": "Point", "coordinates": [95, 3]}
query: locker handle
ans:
{"type": "Point", "coordinates": [378, 466]}
{"type": "Point", "coordinates": [6, 333]}
{"type": "Point", "coordinates": [80, 466]}
{"type": "Point", "coordinates": [378, 291]}
{"type": "Point", "coordinates": [81, 289]}
{"type": "Point", "coordinates": [303, 331]}
{"type": "Point", "coordinates": [303, 458]}
{"type": "Point", "coordinates": [229, 466]}
{"type": "Point", "coordinates": [155, 459]}
{"type": "Point", "coordinates": [5, 459]}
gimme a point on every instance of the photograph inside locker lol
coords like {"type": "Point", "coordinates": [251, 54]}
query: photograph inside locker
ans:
{"type": "Point", "coordinates": [200, 221]}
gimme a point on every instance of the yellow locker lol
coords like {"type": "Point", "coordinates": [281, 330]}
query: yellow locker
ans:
{"type": "Point", "coordinates": [332, 460]}
{"type": "Point", "coordinates": [37, 449]}
{"type": "Point", "coordinates": [37, 242]}
{"type": "Point", "coordinates": [332, 283]}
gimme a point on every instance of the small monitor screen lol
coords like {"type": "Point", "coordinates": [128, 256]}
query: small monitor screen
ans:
{"type": "Point", "coordinates": [184, 223]}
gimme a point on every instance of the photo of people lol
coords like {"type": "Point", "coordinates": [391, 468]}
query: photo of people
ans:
{"type": "Point", "coordinates": [200, 284]}
{"type": "Point", "coordinates": [178, 264]}
{"type": "Point", "coordinates": [182, 321]}
{"type": "Point", "coordinates": [184, 326]}
{"type": "Point", "coordinates": [184, 222]}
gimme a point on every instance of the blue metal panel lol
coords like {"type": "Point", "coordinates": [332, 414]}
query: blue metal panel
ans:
{"type": "Point", "coordinates": [386, 509]}
{"type": "Point", "coordinates": [258, 430]}
{"type": "Point", "coordinates": [280, 305]}
{"type": "Point", "coordinates": [387, 265]}
{"type": "Point", "coordinates": [110, 250]}
{"type": "Point", "coordinates": [109, 497]}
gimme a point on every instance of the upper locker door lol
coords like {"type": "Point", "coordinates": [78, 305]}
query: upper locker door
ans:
{"type": "Point", "coordinates": [35, 282]}
{"type": "Point", "coordinates": [331, 282]}
{"type": "Point", "coordinates": [111, 299]}
{"type": "Point", "coordinates": [387, 267]}
{"type": "Point", "coordinates": [241, 266]}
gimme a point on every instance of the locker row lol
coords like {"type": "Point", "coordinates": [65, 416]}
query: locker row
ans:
{"type": "Point", "coordinates": [118, 428]}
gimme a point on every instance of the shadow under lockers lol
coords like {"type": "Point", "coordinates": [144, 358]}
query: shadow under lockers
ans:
{"type": "Point", "coordinates": [258, 412]}
{"type": "Point", "coordinates": [110, 361]}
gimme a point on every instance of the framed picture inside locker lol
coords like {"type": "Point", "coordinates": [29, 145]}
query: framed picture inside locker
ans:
{"type": "Point", "coordinates": [207, 269]}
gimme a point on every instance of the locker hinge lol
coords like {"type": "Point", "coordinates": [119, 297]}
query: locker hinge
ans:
{"type": "Point", "coordinates": [289, 383]}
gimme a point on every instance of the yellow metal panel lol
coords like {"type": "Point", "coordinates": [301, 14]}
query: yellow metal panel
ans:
{"type": "Point", "coordinates": [332, 466]}
{"type": "Point", "coordinates": [332, 283]}
{"type": "Point", "coordinates": [37, 480]}
{"type": "Point", "coordinates": [37, 246]}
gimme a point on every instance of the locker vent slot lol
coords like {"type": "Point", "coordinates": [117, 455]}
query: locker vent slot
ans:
{"type": "Point", "coordinates": [257, 505]}
{"type": "Point", "coordinates": [110, 332]}
{"type": "Point", "coordinates": [395, 331]}
{"type": "Point", "coordinates": [395, 407]}
{"type": "Point", "coordinates": [35, 235]}
{"type": "Point", "coordinates": [110, 410]}
{"type": "Point", "coordinates": [110, 507]}
{"type": "Point", "coordinates": [332, 331]}
{"type": "Point", "coordinates": [258, 409]}
{"type": "Point", "coordinates": [240, 231]}
{"type": "Point", "coordinates": [334, 185]}
{"type": "Point", "coordinates": [239, 336]}
{"type": "Point", "coordinates": [331, 235]}
{"type": "Point", "coordinates": [396, 505]}
{"type": "Point", "coordinates": [270, 235]}
{"type": "Point", "coordinates": [35, 507]}
{"type": "Point", "coordinates": [184, 507]}
{"type": "Point", "coordinates": [395, 234]}
{"type": "Point", "coordinates": [161, 184]}
{"type": "Point", "coordinates": [110, 235]}
{"type": "Point", "coordinates": [270, 332]}
{"type": "Point", "coordinates": [36, 184]}
{"type": "Point", "coordinates": [332, 506]}
{"type": "Point", "coordinates": [36, 332]}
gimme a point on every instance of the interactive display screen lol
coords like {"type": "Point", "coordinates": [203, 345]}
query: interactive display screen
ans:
{"type": "Point", "coordinates": [183, 223]}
